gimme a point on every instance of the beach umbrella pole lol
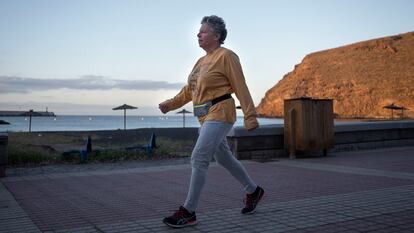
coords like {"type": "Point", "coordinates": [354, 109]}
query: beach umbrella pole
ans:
{"type": "Point", "coordinates": [124, 119]}
{"type": "Point", "coordinates": [124, 107]}
{"type": "Point", "coordinates": [183, 112]}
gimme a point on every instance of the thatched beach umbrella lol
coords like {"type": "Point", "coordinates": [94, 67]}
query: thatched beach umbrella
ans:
{"type": "Point", "coordinates": [30, 113]}
{"type": "Point", "coordinates": [393, 107]}
{"type": "Point", "coordinates": [183, 112]}
{"type": "Point", "coordinates": [124, 107]}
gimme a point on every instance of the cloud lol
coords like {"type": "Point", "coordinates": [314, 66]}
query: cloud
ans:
{"type": "Point", "coordinates": [14, 84]}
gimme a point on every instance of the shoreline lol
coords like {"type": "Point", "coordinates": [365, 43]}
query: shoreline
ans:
{"type": "Point", "coordinates": [178, 128]}
{"type": "Point", "coordinates": [85, 123]}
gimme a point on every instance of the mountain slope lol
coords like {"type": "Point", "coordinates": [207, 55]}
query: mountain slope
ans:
{"type": "Point", "coordinates": [361, 78]}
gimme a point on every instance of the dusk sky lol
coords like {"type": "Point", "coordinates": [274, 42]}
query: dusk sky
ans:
{"type": "Point", "coordinates": [84, 57]}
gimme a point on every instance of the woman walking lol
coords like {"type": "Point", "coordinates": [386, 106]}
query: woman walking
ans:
{"type": "Point", "coordinates": [213, 79]}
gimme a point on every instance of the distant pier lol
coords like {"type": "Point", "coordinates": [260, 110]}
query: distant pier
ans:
{"type": "Point", "coordinates": [25, 113]}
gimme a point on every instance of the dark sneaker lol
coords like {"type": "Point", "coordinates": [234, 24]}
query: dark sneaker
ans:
{"type": "Point", "coordinates": [252, 200]}
{"type": "Point", "coordinates": [181, 218]}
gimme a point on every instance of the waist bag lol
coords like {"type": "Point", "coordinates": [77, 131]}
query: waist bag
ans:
{"type": "Point", "coordinates": [202, 109]}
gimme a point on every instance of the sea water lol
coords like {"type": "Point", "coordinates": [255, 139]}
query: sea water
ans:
{"type": "Point", "coordinates": [86, 123]}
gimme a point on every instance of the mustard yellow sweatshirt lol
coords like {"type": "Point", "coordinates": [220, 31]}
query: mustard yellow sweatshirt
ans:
{"type": "Point", "coordinates": [214, 75]}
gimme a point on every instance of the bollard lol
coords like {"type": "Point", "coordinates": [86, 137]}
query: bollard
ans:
{"type": "Point", "coordinates": [89, 145]}
{"type": "Point", "coordinates": [3, 153]}
{"type": "Point", "coordinates": [83, 156]}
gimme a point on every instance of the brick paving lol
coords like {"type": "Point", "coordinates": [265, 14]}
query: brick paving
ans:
{"type": "Point", "coordinates": [360, 191]}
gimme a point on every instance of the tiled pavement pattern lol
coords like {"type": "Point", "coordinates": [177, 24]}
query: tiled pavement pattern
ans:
{"type": "Point", "coordinates": [362, 191]}
{"type": "Point", "coordinates": [12, 216]}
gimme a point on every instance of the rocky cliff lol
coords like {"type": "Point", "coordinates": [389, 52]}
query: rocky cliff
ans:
{"type": "Point", "coordinates": [361, 79]}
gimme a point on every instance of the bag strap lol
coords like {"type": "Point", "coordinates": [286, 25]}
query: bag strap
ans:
{"type": "Point", "coordinates": [221, 98]}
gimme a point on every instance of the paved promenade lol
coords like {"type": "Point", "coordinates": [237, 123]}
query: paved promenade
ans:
{"type": "Point", "coordinates": [359, 191]}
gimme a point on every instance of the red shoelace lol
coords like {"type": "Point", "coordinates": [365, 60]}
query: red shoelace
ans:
{"type": "Point", "coordinates": [179, 213]}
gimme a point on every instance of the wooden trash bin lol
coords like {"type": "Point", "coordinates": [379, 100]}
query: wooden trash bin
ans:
{"type": "Point", "coordinates": [308, 125]}
{"type": "Point", "coordinates": [3, 153]}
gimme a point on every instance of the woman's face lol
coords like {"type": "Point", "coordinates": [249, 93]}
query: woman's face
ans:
{"type": "Point", "coordinates": [206, 37]}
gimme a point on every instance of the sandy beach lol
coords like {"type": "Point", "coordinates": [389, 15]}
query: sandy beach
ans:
{"type": "Point", "coordinates": [172, 142]}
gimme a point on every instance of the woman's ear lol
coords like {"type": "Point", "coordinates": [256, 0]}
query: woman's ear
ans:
{"type": "Point", "coordinates": [217, 38]}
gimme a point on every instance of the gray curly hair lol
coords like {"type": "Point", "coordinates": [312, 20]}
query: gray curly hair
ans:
{"type": "Point", "coordinates": [217, 25]}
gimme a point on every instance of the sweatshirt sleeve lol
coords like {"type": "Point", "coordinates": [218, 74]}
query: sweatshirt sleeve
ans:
{"type": "Point", "coordinates": [238, 83]}
{"type": "Point", "coordinates": [183, 97]}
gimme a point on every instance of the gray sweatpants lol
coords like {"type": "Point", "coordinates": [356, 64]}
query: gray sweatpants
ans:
{"type": "Point", "coordinates": [212, 142]}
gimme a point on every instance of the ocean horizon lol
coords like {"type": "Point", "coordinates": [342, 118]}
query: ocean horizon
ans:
{"type": "Point", "coordinates": [107, 122]}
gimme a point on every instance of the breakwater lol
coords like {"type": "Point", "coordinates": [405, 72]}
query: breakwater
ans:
{"type": "Point", "coordinates": [26, 113]}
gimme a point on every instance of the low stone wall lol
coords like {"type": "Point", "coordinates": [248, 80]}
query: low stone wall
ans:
{"type": "Point", "coordinates": [372, 135]}
{"type": "Point", "coordinates": [268, 141]}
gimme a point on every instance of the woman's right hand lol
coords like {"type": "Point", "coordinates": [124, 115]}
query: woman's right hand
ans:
{"type": "Point", "coordinates": [163, 107]}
